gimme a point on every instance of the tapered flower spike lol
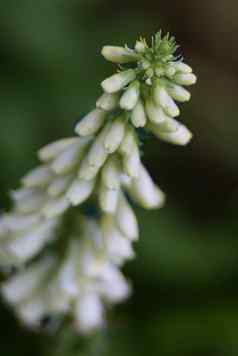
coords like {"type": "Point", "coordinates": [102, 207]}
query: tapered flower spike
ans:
{"type": "Point", "coordinates": [66, 260]}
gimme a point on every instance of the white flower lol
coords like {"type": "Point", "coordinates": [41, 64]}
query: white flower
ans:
{"type": "Point", "coordinates": [130, 97]}
{"type": "Point", "coordinates": [181, 136]}
{"type": "Point", "coordinates": [119, 54]}
{"type": "Point", "coordinates": [52, 150]}
{"type": "Point", "coordinates": [126, 220]}
{"type": "Point", "coordinates": [118, 81]}
{"type": "Point", "coordinates": [185, 78]}
{"type": "Point", "coordinates": [108, 102]}
{"type": "Point", "coordinates": [80, 191]}
{"type": "Point", "coordinates": [111, 174]}
{"type": "Point", "coordinates": [114, 135]}
{"type": "Point", "coordinates": [138, 115]}
{"type": "Point", "coordinates": [108, 199]}
{"type": "Point", "coordinates": [163, 99]}
{"type": "Point", "coordinates": [177, 92]}
{"type": "Point", "coordinates": [89, 313]}
{"type": "Point", "coordinates": [155, 113]}
{"type": "Point", "coordinates": [38, 177]}
{"type": "Point", "coordinates": [91, 123]}
{"type": "Point", "coordinates": [145, 192]}
{"type": "Point", "coordinates": [182, 67]}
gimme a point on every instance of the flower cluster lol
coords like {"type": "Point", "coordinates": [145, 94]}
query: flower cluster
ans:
{"type": "Point", "coordinates": [72, 226]}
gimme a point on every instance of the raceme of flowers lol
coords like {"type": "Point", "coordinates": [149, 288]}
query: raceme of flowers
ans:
{"type": "Point", "coordinates": [72, 225]}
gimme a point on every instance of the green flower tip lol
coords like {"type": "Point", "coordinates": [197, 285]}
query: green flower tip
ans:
{"type": "Point", "coordinates": [152, 61]}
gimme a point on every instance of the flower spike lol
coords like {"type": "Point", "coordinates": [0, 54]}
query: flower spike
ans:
{"type": "Point", "coordinates": [96, 171]}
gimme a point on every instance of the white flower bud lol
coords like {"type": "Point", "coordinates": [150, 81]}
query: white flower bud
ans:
{"type": "Point", "coordinates": [138, 115]}
{"type": "Point", "coordinates": [130, 97]}
{"type": "Point", "coordinates": [97, 154]}
{"type": "Point", "coordinates": [59, 185]}
{"type": "Point", "coordinates": [182, 136]}
{"type": "Point", "coordinates": [131, 163]}
{"type": "Point", "coordinates": [118, 247]}
{"type": "Point", "coordinates": [26, 246]}
{"type": "Point", "coordinates": [69, 159]}
{"type": "Point", "coordinates": [91, 123]}
{"type": "Point", "coordinates": [119, 55]}
{"type": "Point", "coordinates": [163, 99]}
{"type": "Point", "coordinates": [56, 207]}
{"type": "Point", "coordinates": [21, 286]}
{"type": "Point", "coordinates": [140, 47]}
{"type": "Point", "coordinates": [88, 171]}
{"type": "Point", "coordinates": [118, 81]}
{"type": "Point", "coordinates": [182, 67]}
{"type": "Point", "coordinates": [178, 93]}
{"type": "Point", "coordinates": [111, 174]}
{"type": "Point", "coordinates": [155, 113]}
{"type": "Point", "coordinates": [17, 222]}
{"type": "Point", "coordinates": [129, 142]}
{"type": "Point", "coordinates": [167, 126]}
{"type": "Point", "coordinates": [113, 285]}
{"type": "Point", "coordinates": [28, 200]}
{"type": "Point", "coordinates": [108, 102]}
{"type": "Point", "coordinates": [32, 311]}
{"type": "Point", "coordinates": [52, 150]}
{"type": "Point", "coordinates": [108, 199]}
{"type": "Point", "coordinates": [185, 79]}
{"type": "Point", "coordinates": [126, 220]}
{"type": "Point", "coordinates": [145, 192]}
{"type": "Point", "coordinates": [80, 191]}
{"type": "Point", "coordinates": [89, 313]}
{"type": "Point", "coordinates": [39, 177]}
{"type": "Point", "coordinates": [114, 135]}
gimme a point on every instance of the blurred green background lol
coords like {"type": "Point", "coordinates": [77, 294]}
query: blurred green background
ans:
{"type": "Point", "coordinates": [185, 277]}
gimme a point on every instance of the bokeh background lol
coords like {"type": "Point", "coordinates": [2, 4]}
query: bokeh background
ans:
{"type": "Point", "coordinates": [185, 300]}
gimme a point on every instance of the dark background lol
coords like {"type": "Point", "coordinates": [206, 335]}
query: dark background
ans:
{"type": "Point", "coordinates": [185, 277]}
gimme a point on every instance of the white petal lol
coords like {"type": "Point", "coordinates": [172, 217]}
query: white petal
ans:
{"type": "Point", "coordinates": [108, 102]}
{"type": "Point", "coordinates": [163, 99]}
{"type": "Point", "coordinates": [69, 159]}
{"type": "Point", "coordinates": [18, 222]}
{"type": "Point", "coordinates": [120, 55]}
{"type": "Point", "coordinates": [52, 150]}
{"type": "Point", "coordinates": [97, 153]}
{"type": "Point", "coordinates": [28, 245]}
{"type": "Point", "coordinates": [138, 115]}
{"type": "Point", "coordinates": [89, 313]}
{"type": "Point", "coordinates": [126, 220]}
{"type": "Point", "coordinates": [178, 92]}
{"type": "Point", "coordinates": [21, 286]}
{"type": "Point", "coordinates": [80, 191]}
{"type": "Point", "coordinates": [185, 79]}
{"type": "Point", "coordinates": [56, 207]}
{"type": "Point", "coordinates": [59, 185]}
{"type": "Point", "coordinates": [155, 113]}
{"type": "Point", "coordinates": [39, 177]}
{"type": "Point", "coordinates": [118, 247]}
{"type": "Point", "coordinates": [130, 97]}
{"type": "Point", "coordinates": [28, 201]}
{"type": "Point", "coordinates": [131, 163]}
{"type": "Point", "coordinates": [118, 81]}
{"type": "Point", "coordinates": [182, 67]}
{"type": "Point", "coordinates": [108, 199]}
{"type": "Point", "coordinates": [91, 123]}
{"type": "Point", "coordinates": [114, 135]}
{"type": "Point", "coordinates": [111, 174]}
{"type": "Point", "coordinates": [182, 136]}
{"type": "Point", "coordinates": [145, 192]}
{"type": "Point", "coordinates": [114, 286]}
{"type": "Point", "coordinates": [33, 311]}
